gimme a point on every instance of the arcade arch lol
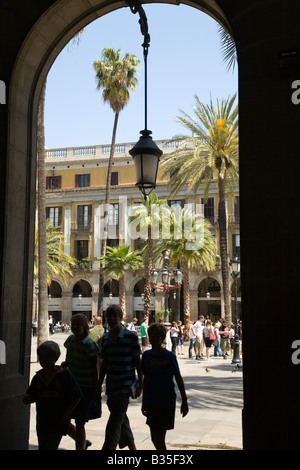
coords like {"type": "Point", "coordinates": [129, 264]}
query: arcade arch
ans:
{"type": "Point", "coordinates": [209, 298]}
{"type": "Point", "coordinates": [82, 298]}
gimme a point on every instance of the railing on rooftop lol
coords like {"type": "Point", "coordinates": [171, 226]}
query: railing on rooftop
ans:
{"type": "Point", "coordinates": [103, 151]}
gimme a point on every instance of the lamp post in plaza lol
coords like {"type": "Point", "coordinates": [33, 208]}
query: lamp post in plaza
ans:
{"type": "Point", "coordinates": [235, 272]}
{"type": "Point", "coordinates": [146, 154]}
{"type": "Point", "coordinates": [165, 277]}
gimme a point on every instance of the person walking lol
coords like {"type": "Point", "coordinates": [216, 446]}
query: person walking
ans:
{"type": "Point", "coordinates": [198, 327]}
{"type": "Point", "coordinates": [180, 339]}
{"type": "Point", "coordinates": [144, 334]}
{"type": "Point", "coordinates": [174, 336]}
{"type": "Point", "coordinates": [240, 335]}
{"type": "Point", "coordinates": [51, 325]}
{"type": "Point", "coordinates": [209, 338]}
{"type": "Point", "coordinates": [82, 361]}
{"type": "Point", "coordinates": [225, 338]}
{"type": "Point", "coordinates": [192, 336]}
{"type": "Point", "coordinates": [160, 367]}
{"type": "Point", "coordinates": [216, 343]}
{"type": "Point", "coordinates": [120, 355]}
{"type": "Point", "coordinates": [56, 394]}
{"type": "Point", "coordinates": [131, 325]}
{"type": "Point", "coordinates": [34, 327]}
{"type": "Point", "coordinates": [231, 337]}
{"type": "Point", "coordinates": [97, 331]}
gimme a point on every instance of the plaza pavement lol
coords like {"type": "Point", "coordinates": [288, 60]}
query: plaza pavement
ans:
{"type": "Point", "coordinates": [215, 399]}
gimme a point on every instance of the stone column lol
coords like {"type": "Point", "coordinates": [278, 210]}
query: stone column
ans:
{"type": "Point", "coordinates": [67, 228]}
{"type": "Point", "coordinates": [97, 211]}
{"type": "Point", "coordinates": [194, 305]}
{"type": "Point", "coordinates": [66, 307]}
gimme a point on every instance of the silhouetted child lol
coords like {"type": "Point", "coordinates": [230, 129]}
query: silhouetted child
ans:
{"type": "Point", "coordinates": [56, 394]}
{"type": "Point", "coordinates": [82, 361]}
{"type": "Point", "coordinates": [159, 367]}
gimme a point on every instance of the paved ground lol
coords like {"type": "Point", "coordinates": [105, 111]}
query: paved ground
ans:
{"type": "Point", "coordinates": [215, 400]}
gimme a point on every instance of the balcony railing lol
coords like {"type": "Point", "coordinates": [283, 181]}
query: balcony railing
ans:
{"type": "Point", "coordinates": [85, 264]}
{"type": "Point", "coordinates": [234, 219]}
{"type": "Point", "coordinates": [102, 151]}
{"type": "Point", "coordinates": [79, 227]}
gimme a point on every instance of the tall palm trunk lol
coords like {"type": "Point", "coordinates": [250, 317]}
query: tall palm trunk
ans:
{"type": "Point", "coordinates": [122, 296]}
{"type": "Point", "coordinates": [223, 249]}
{"type": "Point", "coordinates": [107, 199]}
{"type": "Point", "coordinates": [43, 320]}
{"type": "Point", "coordinates": [148, 288]}
{"type": "Point", "coordinates": [186, 298]}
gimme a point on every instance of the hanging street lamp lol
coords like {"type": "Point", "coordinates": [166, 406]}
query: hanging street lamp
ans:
{"type": "Point", "coordinates": [146, 154]}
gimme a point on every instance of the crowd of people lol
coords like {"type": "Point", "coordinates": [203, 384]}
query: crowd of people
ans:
{"type": "Point", "coordinates": [221, 336]}
{"type": "Point", "coordinates": [72, 390]}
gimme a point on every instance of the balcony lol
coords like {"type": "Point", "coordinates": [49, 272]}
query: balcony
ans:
{"type": "Point", "coordinates": [234, 219]}
{"type": "Point", "coordinates": [81, 227]}
{"type": "Point", "coordinates": [85, 264]}
{"type": "Point", "coordinates": [100, 151]}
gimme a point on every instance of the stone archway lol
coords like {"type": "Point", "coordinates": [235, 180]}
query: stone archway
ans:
{"type": "Point", "coordinates": [46, 39]}
{"type": "Point", "coordinates": [268, 38]}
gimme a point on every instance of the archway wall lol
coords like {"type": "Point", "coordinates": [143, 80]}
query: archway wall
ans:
{"type": "Point", "coordinates": [269, 222]}
{"type": "Point", "coordinates": [35, 32]}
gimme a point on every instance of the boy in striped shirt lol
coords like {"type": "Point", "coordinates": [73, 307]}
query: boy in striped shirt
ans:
{"type": "Point", "coordinates": [121, 358]}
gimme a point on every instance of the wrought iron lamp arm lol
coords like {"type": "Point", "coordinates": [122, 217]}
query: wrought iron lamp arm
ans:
{"type": "Point", "coordinates": [136, 7]}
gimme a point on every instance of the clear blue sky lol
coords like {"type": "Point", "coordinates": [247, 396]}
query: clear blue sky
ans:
{"type": "Point", "coordinates": [184, 59]}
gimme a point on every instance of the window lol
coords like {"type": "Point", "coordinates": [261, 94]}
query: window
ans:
{"type": "Point", "coordinates": [54, 215]}
{"type": "Point", "coordinates": [176, 201]}
{"type": "Point", "coordinates": [112, 242]}
{"type": "Point", "coordinates": [84, 216]}
{"type": "Point", "coordinates": [114, 178]}
{"type": "Point", "coordinates": [236, 249]}
{"type": "Point", "coordinates": [53, 182]}
{"type": "Point", "coordinates": [209, 209]}
{"type": "Point", "coordinates": [82, 181]}
{"type": "Point", "coordinates": [113, 215]}
{"type": "Point", "coordinates": [81, 249]}
{"type": "Point", "coordinates": [237, 210]}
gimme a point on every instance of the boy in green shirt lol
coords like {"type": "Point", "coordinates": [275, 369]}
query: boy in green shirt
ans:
{"type": "Point", "coordinates": [144, 334]}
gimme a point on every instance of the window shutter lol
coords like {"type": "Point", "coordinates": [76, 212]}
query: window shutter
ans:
{"type": "Point", "coordinates": [80, 216]}
{"type": "Point", "coordinates": [114, 178]}
{"type": "Point", "coordinates": [59, 216]}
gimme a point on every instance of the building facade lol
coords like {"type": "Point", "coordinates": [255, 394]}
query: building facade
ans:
{"type": "Point", "coordinates": [75, 194]}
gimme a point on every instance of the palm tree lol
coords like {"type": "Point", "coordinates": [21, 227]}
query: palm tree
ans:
{"type": "Point", "coordinates": [146, 216]}
{"type": "Point", "coordinates": [191, 245]}
{"type": "Point", "coordinates": [43, 328]}
{"type": "Point", "coordinates": [228, 48]}
{"type": "Point", "coordinates": [58, 263]}
{"type": "Point", "coordinates": [211, 151]}
{"type": "Point", "coordinates": [116, 261]}
{"type": "Point", "coordinates": [116, 76]}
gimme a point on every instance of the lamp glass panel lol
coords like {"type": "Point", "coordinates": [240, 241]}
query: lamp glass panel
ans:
{"type": "Point", "coordinates": [146, 169]}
